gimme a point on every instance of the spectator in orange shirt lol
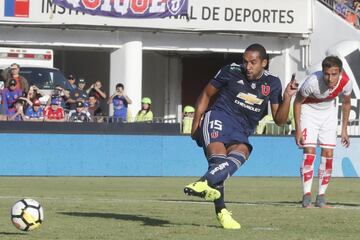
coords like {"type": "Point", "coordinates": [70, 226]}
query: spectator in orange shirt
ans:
{"type": "Point", "coordinates": [21, 82]}
{"type": "Point", "coordinates": [350, 17]}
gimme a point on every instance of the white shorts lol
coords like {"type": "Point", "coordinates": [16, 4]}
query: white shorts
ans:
{"type": "Point", "coordinates": [319, 127]}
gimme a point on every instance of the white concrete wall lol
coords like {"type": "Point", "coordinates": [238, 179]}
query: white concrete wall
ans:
{"type": "Point", "coordinates": [288, 62]}
{"type": "Point", "coordinates": [126, 68]}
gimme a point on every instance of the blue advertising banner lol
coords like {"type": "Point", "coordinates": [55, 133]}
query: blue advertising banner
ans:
{"type": "Point", "coordinates": [120, 155]}
{"type": "Point", "coordinates": [128, 8]}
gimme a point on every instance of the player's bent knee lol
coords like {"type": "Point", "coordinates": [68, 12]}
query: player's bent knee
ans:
{"type": "Point", "coordinates": [327, 152]}
{"type": "Point", "coordinates": [310, 150]}
{"type": "Point", "coordinates": [215, 148]}
{"type": "Point", "coordinates": [241, 148]}
{"type": "Point", "coordinates": [237, 157]}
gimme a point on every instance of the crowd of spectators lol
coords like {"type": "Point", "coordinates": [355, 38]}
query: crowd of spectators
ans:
{"type": "Point", "coordinates": [349, 10]}
{"type": "Point", "coordinates": [73, 102]}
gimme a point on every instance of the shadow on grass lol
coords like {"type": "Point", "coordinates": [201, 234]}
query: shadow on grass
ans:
{"type": "Point", "coordinates": [11, 234]}
{"type": "Point", "coordinates": [268, 203]}
{"type": "Point", "coordinates": [146, 221]}
{"type": "Point", "coordinates": [345, 204]}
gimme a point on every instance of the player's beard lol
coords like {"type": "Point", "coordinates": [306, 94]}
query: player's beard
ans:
{"type": "Point", "coordinates": [252, 76]}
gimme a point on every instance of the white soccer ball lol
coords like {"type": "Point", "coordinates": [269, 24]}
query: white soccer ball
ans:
{"type": "Point", "coordinates": [27, 214]}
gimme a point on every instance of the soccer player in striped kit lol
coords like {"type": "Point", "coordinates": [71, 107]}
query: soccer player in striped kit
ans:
{"type": "Point", "coordinates": [241, 94]}
{"type": "Point", "coordinates": [316, 124]}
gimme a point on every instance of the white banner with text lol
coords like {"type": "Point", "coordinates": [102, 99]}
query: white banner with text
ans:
{"type": "Point", "coordinates": [276, 16]}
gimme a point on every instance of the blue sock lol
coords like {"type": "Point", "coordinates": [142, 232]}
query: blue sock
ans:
{"type": "Point", "coordinates": [220, 203]}
{"type": "Point", "coordinates": [221, 167]}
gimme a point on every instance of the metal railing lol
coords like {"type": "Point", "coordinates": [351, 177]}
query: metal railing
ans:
{"type": "Point", "coordinates": [99, 119]}
{"type": "Point", "coordinates": [286, 129]}
{"type": "Point", "coordinates": [270, 129]}
{"type": "Point", "coordinates": [329, 3]}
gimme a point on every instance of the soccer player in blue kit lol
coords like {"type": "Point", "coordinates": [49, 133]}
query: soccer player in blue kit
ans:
{"type": "Point", "coordinates": [222, 129]}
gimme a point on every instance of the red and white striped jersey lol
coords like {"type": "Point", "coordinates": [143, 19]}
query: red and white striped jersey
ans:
{"type": "Point", "coordinates": [317, 93]}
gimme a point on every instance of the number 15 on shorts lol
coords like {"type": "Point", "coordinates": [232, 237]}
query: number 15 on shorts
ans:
{"type": "Point", "coordinates": [215, 125]}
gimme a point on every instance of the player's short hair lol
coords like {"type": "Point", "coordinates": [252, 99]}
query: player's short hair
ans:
{"type": "Point", "coordinates": [332, 61]}
{"type": "Point", "coordinates": [256, 47]}
{"type": "Point", "coordinates": [120, 85]}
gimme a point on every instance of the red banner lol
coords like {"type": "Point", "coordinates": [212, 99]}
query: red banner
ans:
{"type": "Point", "coordinates": [128, 8]}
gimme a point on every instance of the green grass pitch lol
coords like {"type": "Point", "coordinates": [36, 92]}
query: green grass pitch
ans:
{"type": "Point", "coordinates": [156, 208]}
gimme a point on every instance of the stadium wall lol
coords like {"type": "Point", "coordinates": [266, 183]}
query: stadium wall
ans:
{"type": "Point", "coordinates": [149, 155]}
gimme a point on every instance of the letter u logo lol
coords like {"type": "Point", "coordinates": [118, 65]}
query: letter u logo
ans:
{"type": "Point", "coordinates": [265, 90]}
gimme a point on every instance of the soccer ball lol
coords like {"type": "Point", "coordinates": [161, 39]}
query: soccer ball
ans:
{"type": "Point", "coordinates": [27, 214]}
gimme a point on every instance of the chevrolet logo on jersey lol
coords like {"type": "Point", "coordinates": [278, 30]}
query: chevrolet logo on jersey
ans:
{"type": "Point", "coordinates": [250, 98]}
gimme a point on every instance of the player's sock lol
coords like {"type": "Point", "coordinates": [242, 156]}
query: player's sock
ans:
{"type": "Point", "coordinates": [325, 170]}
{"type": "Point", "coordinates": [214, 160]}
{"type": "Point", "coordinates": [219, 203]}
{"type": "Point", "coordinates": [222, 167]}
{"type": "Point", "coordinates": [307, 172]}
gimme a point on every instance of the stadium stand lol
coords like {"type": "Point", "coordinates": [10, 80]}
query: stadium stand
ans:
{"type": "Point", "coordinates": [347, 9]}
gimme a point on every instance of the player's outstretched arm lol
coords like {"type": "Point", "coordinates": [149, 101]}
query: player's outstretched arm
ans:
{"type": "Point", "coordinates": [346, 106]}
{"type": "Point", "coordinates": [281, 112]}
{"type": "Point", "coordinates": [201, 106]}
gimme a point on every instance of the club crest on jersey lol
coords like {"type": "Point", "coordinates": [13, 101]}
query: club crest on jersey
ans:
{"type": "Point", "coordinates": [214, 134]}
{"type": "Point", "coordinates": [175, 6]}
{"type": "Point", "coordinates": [253, 85]}
{"type": "Point", "coordinates": [265, 90]}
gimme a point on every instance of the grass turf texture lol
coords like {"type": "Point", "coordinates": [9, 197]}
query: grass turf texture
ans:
{"type": "Point", "coordinates": [156, 208]}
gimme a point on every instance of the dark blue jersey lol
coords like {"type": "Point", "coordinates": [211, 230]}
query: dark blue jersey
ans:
{"type": "Point", "coordinates": [245, 100]}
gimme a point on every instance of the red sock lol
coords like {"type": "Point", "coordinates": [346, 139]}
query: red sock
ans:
{"type": "Point", "coordinates": [307, 172]}
{"type": "Point", "coordinates": [325, 170]}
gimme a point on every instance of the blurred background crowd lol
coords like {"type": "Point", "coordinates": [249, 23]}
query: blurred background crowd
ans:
{"type": "Point", "coordinates": [75, 101]}
{"type": "Point", "coordinates": [349, 10]}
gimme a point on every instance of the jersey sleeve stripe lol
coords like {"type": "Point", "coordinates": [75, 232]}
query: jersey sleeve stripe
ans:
{"type": "Point", "coordinates": [344, 79]}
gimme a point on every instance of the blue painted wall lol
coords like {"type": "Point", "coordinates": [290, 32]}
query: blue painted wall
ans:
{"type": "Point", "coordinates": [134, 155]}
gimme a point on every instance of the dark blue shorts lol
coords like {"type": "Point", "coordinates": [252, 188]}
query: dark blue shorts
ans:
{"type": "Point", "coordinates": [218, 126]}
